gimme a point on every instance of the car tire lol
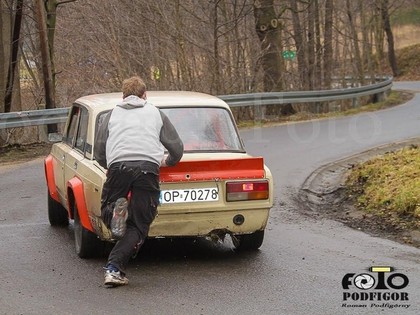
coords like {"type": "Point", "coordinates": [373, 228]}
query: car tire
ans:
{"type": "Point", "coordinates": [57, 214]}
{"type": "Point", "coordinates": [248, 242]}
{"type": "Point", "coordinates": [87, 243]}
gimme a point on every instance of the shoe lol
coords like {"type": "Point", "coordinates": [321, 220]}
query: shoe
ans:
{"type": "Point", "coordinates": [119, 216]}
{"type": "Point", "coordinates": [115, 278]}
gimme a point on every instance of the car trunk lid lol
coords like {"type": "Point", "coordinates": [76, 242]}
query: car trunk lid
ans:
{"type": "Point", "coordinates": [234, 168]}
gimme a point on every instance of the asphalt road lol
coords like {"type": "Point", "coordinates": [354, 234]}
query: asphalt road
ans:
{"type": "Point", "coordinates": [299, 269]}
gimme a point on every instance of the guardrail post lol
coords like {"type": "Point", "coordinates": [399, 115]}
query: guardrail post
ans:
{"type": "Point", "coordinates": [259, 110]}
{"type": "Point", "coordinates": [378, 97]}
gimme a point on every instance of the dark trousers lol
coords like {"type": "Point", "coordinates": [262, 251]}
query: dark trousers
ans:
{"type": "Point", "coordinates": [122, 178]}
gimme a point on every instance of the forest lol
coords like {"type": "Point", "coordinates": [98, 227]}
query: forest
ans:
{"type": "Point", "coordinates": [54, 51]}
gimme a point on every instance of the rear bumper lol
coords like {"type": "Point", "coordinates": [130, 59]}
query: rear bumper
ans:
{"type": "Point", "coordinates": [201, 224]}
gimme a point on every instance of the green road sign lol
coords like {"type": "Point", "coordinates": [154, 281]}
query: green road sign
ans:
{"type": "Point", "coordinates": [289, 54]}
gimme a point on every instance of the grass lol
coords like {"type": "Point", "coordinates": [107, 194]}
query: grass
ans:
{"type": "Point", "coordinates": [388, 187]}
{"type": "Point", "coordinates": [409, 62]}
{"type": "Point", "coordinates": [406, 17]}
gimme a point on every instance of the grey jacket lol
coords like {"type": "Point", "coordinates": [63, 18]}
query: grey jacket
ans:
{"type": "Point", "coordinates": [135, 130]}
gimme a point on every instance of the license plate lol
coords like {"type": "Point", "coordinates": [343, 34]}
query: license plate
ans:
{"type": "Point", "coordinates": [189, 195]}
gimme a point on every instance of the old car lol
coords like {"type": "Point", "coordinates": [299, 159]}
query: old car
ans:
{"type": "Point", "coordinates": [216, 189]}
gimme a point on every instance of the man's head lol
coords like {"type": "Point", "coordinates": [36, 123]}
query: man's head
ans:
{"type": "Point", "coordinates": [134, 86]}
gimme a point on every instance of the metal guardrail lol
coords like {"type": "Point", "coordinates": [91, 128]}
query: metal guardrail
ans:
{"type": "Point", "coordinates": [33, 118]}
{"type": "Point", "coordinates": [273, 98]}
{"type": "Point", "coordinates": [59, 115]}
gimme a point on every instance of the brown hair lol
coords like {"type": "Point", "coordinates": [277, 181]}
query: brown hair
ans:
{"type": "Point", "coordinates": [133, 86]}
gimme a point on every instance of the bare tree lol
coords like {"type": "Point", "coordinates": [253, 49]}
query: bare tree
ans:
{"type": "Point", "coordinates": [269, 33]}
{"type": "Point", "coordinates": [46, 15]}
{"type": "Point", "coordinates": [14, 59]}
{"type": "Point", "coordinates": [389, 36]}
{"type": "Point", "coordinates": [355, 41]}
{"type": "Point", "coordinates": [328, 44]}
{"type": "Point", "coordinates": [46, 58]}
{"type": "Point", "coordinates": [11, 16]}
{"type": "Point", "coordinates": [300, 40]}
{"type": "Point", "coordinates": [311, 53]}
{"type": "Point", "coordinates": [3, 58]}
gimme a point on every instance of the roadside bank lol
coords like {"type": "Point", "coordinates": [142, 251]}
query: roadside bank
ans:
{"type": "Point", "coordinates": [324, 194]}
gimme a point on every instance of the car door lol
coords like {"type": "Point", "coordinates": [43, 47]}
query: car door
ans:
{"type": "Point", "coordinates": [76, 139]}
{"type": "Point", "coordinates": [58, 151]}
{"type": "Point", "coordinates": [79, 159]}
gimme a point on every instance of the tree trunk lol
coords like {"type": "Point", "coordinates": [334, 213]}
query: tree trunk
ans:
{"type": "Point", "coordinates": [367, 45]}
{"type": "Point", "coordinates": [311, 44]}
{"type": "Point", "coordinates": [46, 62]}
{"type": "Point", "coordinates": [3, 56]}
{"type": "Point", "coordinates": [216, 72]}
{"type": "Point", "coordinates": [390, 38]}
{"type": "Point", "coordinates": [328, 51]}
{"type": "Point", "coordinates": [268, 29]}
{"type": "Point", "coordinates": [378, 36]}
{"type": "Point", "coordinates": [300, 47]}
{"type": "Point", "coordinates": [318, 47]}
{"type": "Point", "coordinates": [50, 22]}
{"type": "Point", "coordinates": [355, 39]}
{"type": "Point", "coordinates": [14, 59]}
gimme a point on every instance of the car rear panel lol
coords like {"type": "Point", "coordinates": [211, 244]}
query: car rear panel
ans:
{"type": "Point", "coordinates": [194, 197]}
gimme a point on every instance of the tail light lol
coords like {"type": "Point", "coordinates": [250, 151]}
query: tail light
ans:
{"type": "Point", "coordinates": [247, 190]}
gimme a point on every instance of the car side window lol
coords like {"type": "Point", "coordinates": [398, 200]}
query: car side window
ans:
{"type": "Point", "coordinates": [100, 119]}
{"type": "Point", "coordinates": [70, 134]}
{"type": "Point", "coordinates": [77, 129]}
{"type": "Point", "coordinates": [82, 130]}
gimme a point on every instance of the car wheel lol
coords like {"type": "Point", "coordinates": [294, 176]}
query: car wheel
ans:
{"type": "Point", "coordinates": [250, 241]}
{"type": "Point", "coordinates": [87, 243]}
{"type": "Point", "coordinates": [57, 214]}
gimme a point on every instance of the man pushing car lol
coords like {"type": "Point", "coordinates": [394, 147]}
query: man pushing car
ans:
{"type": "Point", "coordinates": [130, 144]}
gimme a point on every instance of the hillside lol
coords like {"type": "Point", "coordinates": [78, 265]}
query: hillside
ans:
{"type": "Point", "coordinates": [408, 59]}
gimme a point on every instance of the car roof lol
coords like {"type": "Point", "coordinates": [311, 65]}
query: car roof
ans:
{"type": "Point", "coordinates": [161, 99]}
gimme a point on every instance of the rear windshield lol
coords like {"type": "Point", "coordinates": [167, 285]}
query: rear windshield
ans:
{"type": "Point", "coordinates": [205, 128]}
